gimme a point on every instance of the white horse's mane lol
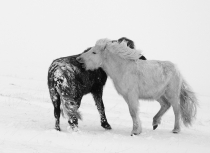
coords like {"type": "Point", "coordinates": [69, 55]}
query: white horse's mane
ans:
{"type": "Point", "coordinates": [102, 42]}
{"type": "Point", "coordinates": [120, 49]}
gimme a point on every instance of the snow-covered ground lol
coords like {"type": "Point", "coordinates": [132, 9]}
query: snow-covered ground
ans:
{"type": "Point", "coordinates": [27, 121]}
{"type": "Point", "coordinates": [33, 33]}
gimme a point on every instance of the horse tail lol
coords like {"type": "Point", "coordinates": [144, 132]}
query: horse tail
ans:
{"type": "Point", "coordinates": [69, 111]}
{"type": "Point", "coordinates": [188, 104]}
{"type": "Point", "coordinates": [68, 108]}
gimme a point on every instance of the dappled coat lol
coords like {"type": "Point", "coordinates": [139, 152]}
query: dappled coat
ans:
{"type": "Point", "coordinates": [68, 82]}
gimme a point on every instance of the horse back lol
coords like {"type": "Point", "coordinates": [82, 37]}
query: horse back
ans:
{"type": "Point", "coordinates": [76, 76]}
{"type": "Point", "coordinates": [154, 77]}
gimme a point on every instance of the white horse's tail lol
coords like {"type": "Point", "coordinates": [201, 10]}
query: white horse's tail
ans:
{"type": "Point", "coordinates": [188, 104]}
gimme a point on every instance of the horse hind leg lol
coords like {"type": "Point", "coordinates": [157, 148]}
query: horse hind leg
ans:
{"type": "Point", "coordinates": [56, 103]}
{"type": "Point", "coordinates": [176, 109]}
{"type": "Point", "coordinates": [70, 105]}
{"type": "Point", "coordinates": [165, 105]}
{"type": "Point", "coordinates": [101, 109]}
{"type": "Point", "coordinates": [71, 111]}
{"type": "Point", "coordinates": [73, 123]}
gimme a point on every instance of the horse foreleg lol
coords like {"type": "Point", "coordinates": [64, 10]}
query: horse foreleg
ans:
{"type": "Point", "coordinates": [101, 109]}
{"type": "Point", "coordinates": [165, 105]}
{"type": "Point", "coordinates": [133, 105]}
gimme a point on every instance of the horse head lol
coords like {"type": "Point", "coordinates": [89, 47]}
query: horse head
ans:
{"type": "Point", "coordinates": [93, 58]}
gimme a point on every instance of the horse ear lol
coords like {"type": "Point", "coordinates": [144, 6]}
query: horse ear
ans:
{"type": "Point", "coordinates": [108, 44]}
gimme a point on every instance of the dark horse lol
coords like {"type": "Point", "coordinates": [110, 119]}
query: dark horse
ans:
{"type": "Point", "coordinates": [68, 82]}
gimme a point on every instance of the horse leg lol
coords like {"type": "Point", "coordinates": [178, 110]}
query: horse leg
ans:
{"type": "Point", "coordinates": [73, 122]}
{"type": "Point", "coordinates": [176, 108]}
{"type": "Point", "coordinates": [56, 103]}
{"type": "Point", "coordinates": [70, 110]}
{"type": "Point", "coordinates": [165, 105]}
{"type": "Point", "coordinates": [70, 101]}
{"type": "Point", "coordinates": [101, 109]}
{"type": "Point", "coordinates": [73, 105]}
{"type": "Point", "coordinates": [73, 119]}
{"type": "Point", "coordinates": [133, 105]}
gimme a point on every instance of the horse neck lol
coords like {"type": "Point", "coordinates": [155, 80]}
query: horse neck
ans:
{"type": "Point", "coordinates": [114, 66]}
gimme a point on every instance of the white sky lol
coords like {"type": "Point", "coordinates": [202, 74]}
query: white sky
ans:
{"type": "Point", "coordinates": [179, 31]}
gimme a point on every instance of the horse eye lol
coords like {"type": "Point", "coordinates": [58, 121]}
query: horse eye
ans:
{"type": "Point", "coordinates": [94, 52]}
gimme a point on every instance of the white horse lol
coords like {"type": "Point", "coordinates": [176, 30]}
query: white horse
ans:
{"type": "Point", "coordinates": [143, 79]}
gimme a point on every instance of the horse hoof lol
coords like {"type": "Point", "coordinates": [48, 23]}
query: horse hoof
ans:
{"type": "Point", "coordinates": [57, 128]}
{"type": "Point", "coordinates": [75, 129]}
{"type": "Point", "coordinates": [155, 127]}
{"type": "Point", "coordinates": [176, 131]}
{"type": "Point", "coordinates": [106, 126]}
{"type": "Point", "coordinates": [134, 134]}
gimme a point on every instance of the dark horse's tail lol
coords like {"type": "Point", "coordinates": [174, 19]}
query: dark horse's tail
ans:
{"type": "Point", "coordinates": [68, 108]}
{"type": "Point", "coordinates": [188, 104]}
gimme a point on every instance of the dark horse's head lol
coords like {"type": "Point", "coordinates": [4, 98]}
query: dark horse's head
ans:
{"type": "Point", "coordinates": [130, 43]}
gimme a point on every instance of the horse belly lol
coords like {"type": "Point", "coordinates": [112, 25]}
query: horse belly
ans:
{"type": "Point", "coordinates": [152, 92]}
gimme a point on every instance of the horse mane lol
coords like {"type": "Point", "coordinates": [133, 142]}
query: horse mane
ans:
{"type": "Point", "coordinates": [124, 51]}
{"type": "Point", "coordinates": [120, 48]}
{"type": "Point", "coordinates": [102, 42]}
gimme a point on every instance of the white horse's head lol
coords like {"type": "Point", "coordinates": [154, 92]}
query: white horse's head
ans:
{"type": "Point", "coordinates": [93, 58]}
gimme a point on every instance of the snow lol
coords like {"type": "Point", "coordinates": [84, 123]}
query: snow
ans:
{"type": "Point", "coordinates": [34, 33]}
{"type": "Point", "coordinates": [27, 120]}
